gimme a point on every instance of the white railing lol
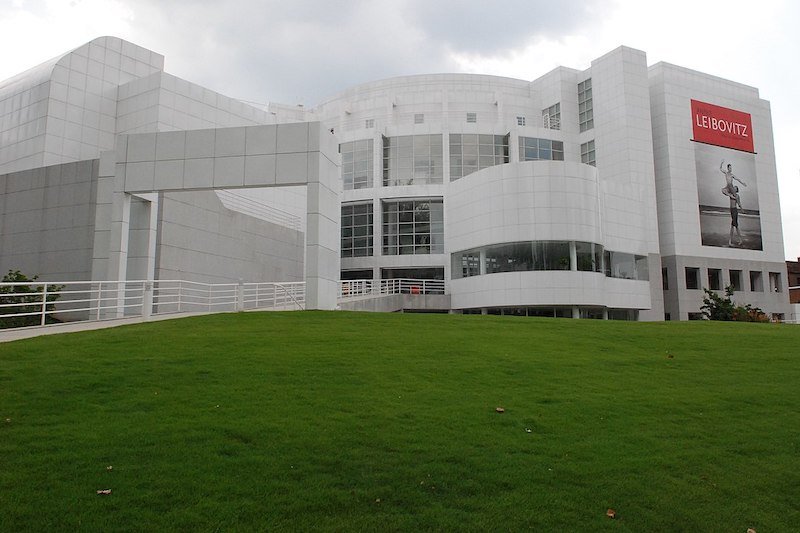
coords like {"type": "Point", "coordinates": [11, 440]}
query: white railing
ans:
{"type": "Point", "coordinates": [365, 287]}
{"type": "Point", "coordinates": [70, 301]}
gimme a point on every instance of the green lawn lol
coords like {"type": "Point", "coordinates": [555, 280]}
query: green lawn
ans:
{"type": "Point", "coordinates": [346, 422]}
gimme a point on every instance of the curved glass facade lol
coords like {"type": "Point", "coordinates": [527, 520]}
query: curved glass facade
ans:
{"type": "Point", "coordinates": [528, 256]}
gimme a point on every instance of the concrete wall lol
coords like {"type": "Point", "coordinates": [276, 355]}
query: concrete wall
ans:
{"type": "Point", "coordinates": [200, 240]}
{"type": "Point", "coordinates": [47, 221]}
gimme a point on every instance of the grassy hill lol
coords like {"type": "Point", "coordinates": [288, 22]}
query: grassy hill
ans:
{"type": "Point", "coordinates": [346, 421]}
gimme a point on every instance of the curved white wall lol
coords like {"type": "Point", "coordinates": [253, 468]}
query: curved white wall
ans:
{"type": "Point", "coordinates": [530, 201]}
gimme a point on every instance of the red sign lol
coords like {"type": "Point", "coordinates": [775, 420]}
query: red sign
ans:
{"type": "Point", "coordinates": [721, 126]}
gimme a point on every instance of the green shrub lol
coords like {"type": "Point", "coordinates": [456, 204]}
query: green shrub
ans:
{"type": "Point", "coordinates": [25, 299]}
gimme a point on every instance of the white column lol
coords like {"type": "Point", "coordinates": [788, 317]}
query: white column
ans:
{"type": "Point", "coordinates": [323, 225]}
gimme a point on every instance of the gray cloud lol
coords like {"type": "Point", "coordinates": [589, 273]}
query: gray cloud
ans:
{"type": "Point", "coordinates": [304, 51]}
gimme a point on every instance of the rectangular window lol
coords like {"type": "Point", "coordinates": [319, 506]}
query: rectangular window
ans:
{"type": "Point", "coordinates": [585, 109]}
{"type": "Point", "coordinates": [357, 168]}
{"type": "Point", "coordinates": [551, 117]}
{"type": "Point", "coordinates": [534, 149]}
{"type": "Point", "coordinates": [626, 266]}
{"type": "Point", "coordinates": [520, 121]}
{"type": "Point", "coordinates": [692, 278]}
{"type": "Point", "coordinates": [466, 264]}
{"type": "Point", "coordinates": [588, 154]}
{"type": "Point", "coordinates": [736, 280]}
{"type": "Point", "coordinates": [357, 229]}
{"type": "Point", "coordinates": [412, 159]}
{"type": "Point", "coordinates": [419, 118]}
{"type": "Point", "coordinates": [665, 279]}
{"type": "Point", "coordinates": [589, 256]}
{"type": "Point", "coordinates": [551, 255]}
{"type": "Point", "coordinates": [413, 227]}
{"type": "Point", "coordinates": [775, 282]}
{"type": "Point", "coordinates": [369, 123]}
{"type": "Point", "coordinates": [756, 281]}
{"type": "Point", "coordinates": [696, 316]}
{"type": "Point", "coordinates": [472, 152]}
{"type": "Point", "coordinates": [472, 118]}
{"type": "Point", "coordinates": [715, 279]}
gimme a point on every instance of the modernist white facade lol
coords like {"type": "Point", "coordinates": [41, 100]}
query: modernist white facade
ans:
{"type": "Point", "coordinates": [579, 194]}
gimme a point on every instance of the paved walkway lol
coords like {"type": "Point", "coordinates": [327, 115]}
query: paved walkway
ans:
{"type": "Point", "coordinates": [7, 335]}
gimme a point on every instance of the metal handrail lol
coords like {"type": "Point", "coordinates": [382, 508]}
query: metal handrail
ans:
{"type": "Point", "coordinates": [98, 300]}
{"type": "Point", "coordinates": [364, 287]}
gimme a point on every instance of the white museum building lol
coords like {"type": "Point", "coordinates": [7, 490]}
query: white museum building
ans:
{"type": "Point", "coordinates": [617, 192]}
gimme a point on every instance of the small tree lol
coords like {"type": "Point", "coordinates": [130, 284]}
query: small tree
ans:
{"type": "Point", "coordinates": [716, 307]}
{"type": "Point", "coordinates": [25, 300]}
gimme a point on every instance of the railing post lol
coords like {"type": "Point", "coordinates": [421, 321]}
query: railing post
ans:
{"type": "Point", "coordinates": [99, 299]}
{"type": "Point", "coordinates": [147, 300]}
{"type": "Point", "coordinates": [44, 304]}
{"type": "Point", "coordinates": [240, 295]}
{"type": "Point", "coordinates": [180, 293]}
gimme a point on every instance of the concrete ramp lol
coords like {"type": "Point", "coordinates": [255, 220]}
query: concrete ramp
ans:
{"type": "Point", "coordinates": [390, 303]}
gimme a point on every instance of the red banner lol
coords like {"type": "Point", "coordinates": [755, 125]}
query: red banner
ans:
{"type": "Point", "coordinates": [721, 126]}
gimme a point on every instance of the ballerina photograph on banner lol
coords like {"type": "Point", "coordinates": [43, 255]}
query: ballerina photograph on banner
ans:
{"type": "Point", "coordinates": [727, 191]}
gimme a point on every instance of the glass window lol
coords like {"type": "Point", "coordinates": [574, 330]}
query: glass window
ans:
{"type": "Point", "coordinates": [756, 281]}
{"type": "Point", "coordinates": [357, 229]}
{"type": "Point", "coordinates": [472, 118]}
{"type": "Point", "coordinates": [736, 280]}
{"type": "Point", "coordinates": [623, 314]}
{"type": "Point", "coordinates": [412, 159]}
{"type": "Point", "coordinates": [357, 165]}
{"type": "Point", "coordinates": [585, 111]}
{"type": "Point", "coordinates": [775, 282]}
{"type": "Point", "coordinates": [466, 264]}
{"type": "Point", "coordinates": [589, 256]}
{"type": "Point", "coordinates": [588, 153]}
{"type": "Point", "coordinates": [369, 123]}
{"type": "Point", "coordinates": [692, 278]}
{"type": "Point", "coordinates": [642, 267]}
{"type": "Point", "coordinates": [356, 274]}
{"type": "Point", "coordinates": [511, 257]}
{"type": "Point", "coordinates": [413, 227]}
{"type": "Point", "coordinates": [534, 149]}
{"type": "Point", "coordinates": [551, 117]}
{"type": "Point", "coordinates": [665, 279]}
{"type": "Point", "coordinates": [715, 279]}
{"type": "Point", "coordinates": [620, 265]}
{"type": "Point", "coordinates": [419, 118]}
{"type": "Point", "coordinates": [594, 313]}
{"type": "Point", "coordinates": [520, 121]}
{"type": "Point", "coordinates": [551, 255]}
{"type": "Point", "coordinates": [470, 153]}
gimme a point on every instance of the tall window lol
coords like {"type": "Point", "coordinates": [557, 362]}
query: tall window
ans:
{"type": "Point", "coordinates": [357, 229]}
{"type": "Point", "coordinates": [588, 154]}
{"type": "Point", "coordinates": [412, 160]}
{"type": "Point", "coordinates": [715, 279]}
{"type": "Point", "coordinates": [533, 149]}
{"type": "Point", "coordinates": [736, 280]}
{"type": "Point", "coordinates": [692, 278]}
{"type": "Point", "coordinates": [551, 117]}
{"type": "Point", "coordinates": [471, 152]}
{"type": "Point", "coordinates": [585, 110]}
{"type": "Point", "coordinates": [356, 164]}
{"type": "Point", "coordinates": [756, 281]}
{"type": "Point", "coordinates": [413, 227]}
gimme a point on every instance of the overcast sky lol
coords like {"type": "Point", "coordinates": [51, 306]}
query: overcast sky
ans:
{"type": "Point", "coordinates": [301, 51]}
